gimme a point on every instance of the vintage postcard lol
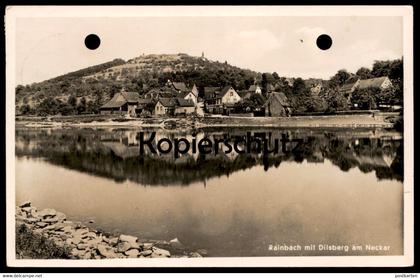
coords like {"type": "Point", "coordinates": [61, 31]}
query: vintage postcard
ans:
{"type": "Point", "coordinates": [209, 136]}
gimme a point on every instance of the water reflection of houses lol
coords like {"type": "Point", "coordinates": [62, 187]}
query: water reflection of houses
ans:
{"type": "Point", "coordinates": [289, 146]}
{"type": "Point", "coordinates": [122, 144]}
{"type": "Point", "coordinates": [115, 154]}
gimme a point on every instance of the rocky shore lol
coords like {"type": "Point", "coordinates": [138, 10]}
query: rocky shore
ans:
{"type": "Point", "coordinates": [81, 242]}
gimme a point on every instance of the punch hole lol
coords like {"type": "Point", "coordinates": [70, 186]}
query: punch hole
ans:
{"type": "Point", "coordinates": [92, 41]}
{"type": "Point", "coordinates": [324, 42]}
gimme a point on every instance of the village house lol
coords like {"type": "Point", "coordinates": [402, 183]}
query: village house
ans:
{"type": "Point", "coordinates": [380, 83]}
{"type": "Point", "coordinates": [220, 101]}
{"type": "Point", "coordinates": [165, 107]}
{"type": "Point", "coordinates": [184, 107]}
{"type": "Point", "coordinates": [174, 107]}
{"type": "Point", "coordinates": [229, 96]}
{"type": "Point", "coordinates": [143, 106]}
{"type": "Point", "coordinates": [277, 105]}
{"type": "Point", "coordinates": [212, 103]}
{"type": "Point", "coordinates": [121, 103]}
{"type": "Point", "coordinates": [192, 95]}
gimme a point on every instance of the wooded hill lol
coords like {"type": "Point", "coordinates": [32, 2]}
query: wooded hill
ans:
{"type": "Point", "coordinates": [93, 86]}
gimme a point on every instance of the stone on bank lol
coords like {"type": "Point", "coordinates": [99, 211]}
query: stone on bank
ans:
{"type": "Point", "coordinates": [84, 242]}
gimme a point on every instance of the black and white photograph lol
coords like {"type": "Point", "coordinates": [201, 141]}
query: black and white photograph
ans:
{"type": "Point", "coordinates": [209, 136]}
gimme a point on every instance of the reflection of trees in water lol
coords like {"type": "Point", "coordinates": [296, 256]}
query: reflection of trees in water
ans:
{"type": "Point", "coordinates": [115, 154]}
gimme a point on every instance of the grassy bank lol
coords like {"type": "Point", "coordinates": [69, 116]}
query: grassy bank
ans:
{"type": "Point", "coordinates": [30, 245]}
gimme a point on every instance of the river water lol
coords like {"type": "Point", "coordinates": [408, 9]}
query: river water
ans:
{"type": "Point", "coordinates": [323, 187]}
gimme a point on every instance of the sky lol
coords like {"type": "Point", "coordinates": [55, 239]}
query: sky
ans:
{"type": "Point", "coordinates": [48, 47]}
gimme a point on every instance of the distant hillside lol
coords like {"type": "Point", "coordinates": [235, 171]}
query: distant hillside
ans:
{"type": "Point", "coordinates": [94, 85]}
{"type": "Point", "coordinates": [89, 70]}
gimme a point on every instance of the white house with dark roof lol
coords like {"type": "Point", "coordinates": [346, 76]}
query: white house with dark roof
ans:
{"type": "Point", "coordinates": [229, 96]}
{"type": "Point", "coordinates": [379, 82]}
{"type": "Point", "coordinates": [192, 95]}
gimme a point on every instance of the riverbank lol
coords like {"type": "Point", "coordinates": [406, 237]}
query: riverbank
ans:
{"type": "Point", "coordinates": [374, 120]}
{"type": "Point", "coordinates": [47, 234]}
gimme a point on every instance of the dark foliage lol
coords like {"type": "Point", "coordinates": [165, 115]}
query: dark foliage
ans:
{"type": "Point", "coordinates": [30, 245]}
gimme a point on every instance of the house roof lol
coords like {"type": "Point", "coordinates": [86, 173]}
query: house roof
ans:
{"type": "Point", "coordinates": [144, 101]}
{"type": "Point", "coordinates": [180, 86]}
{"type": "Point", "coordinates": [183, 94]}
{"type": "Point", "coordinates": [130, 96]}
{"type": "Point", "coordinates": [166, 95]}
{"type": "Point", "coordinates": [167, 102]}
{"type": "Point", "coordinates": [171, 91]}
{"type": "Point", "coordinates": [372, 82]}
{"type": "Point", "coordinates": [225, 90]}
{"type": "Point", "coordinates": [184, 102]}
{"type": "Point", "coordinates": [280, 97]}
{"type": "Point", "coordinates": [347, 87]}
{"type": "Point", "coordinates": [114, 102]}
{"type": "Point", "coordinates": [245, 93]}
